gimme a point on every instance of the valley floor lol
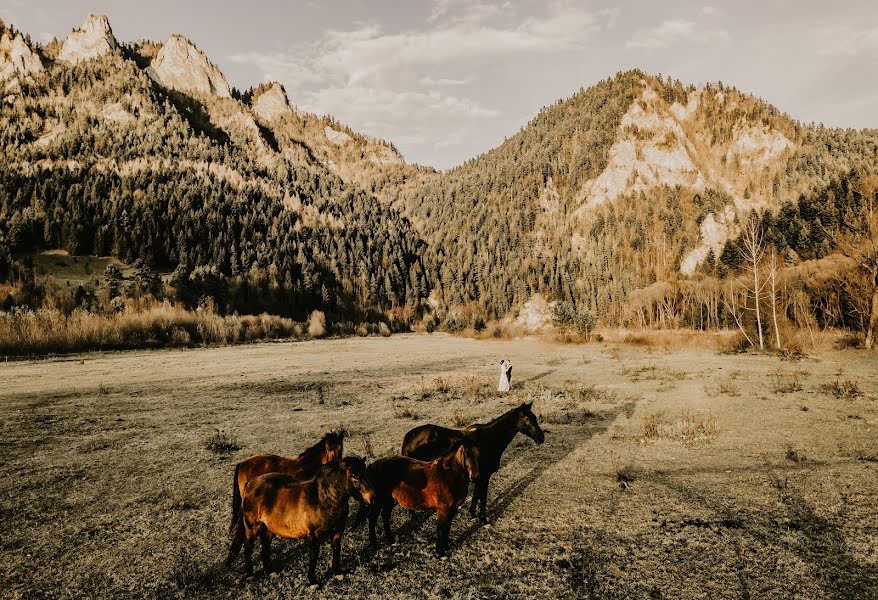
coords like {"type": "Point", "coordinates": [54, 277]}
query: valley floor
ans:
{"type": "Point", "coordinates": [664, 475]}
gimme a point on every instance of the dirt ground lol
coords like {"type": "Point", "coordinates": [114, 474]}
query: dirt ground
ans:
{"type": "Point", "coordinates": [664, 475]}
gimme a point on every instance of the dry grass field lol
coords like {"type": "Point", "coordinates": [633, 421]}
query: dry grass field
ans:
{"type": "Point", "coordinates": [683, 474]}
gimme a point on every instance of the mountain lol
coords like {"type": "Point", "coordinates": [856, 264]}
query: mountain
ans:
{"type": "Point", "coordinates": [624, 202]}
{"type": "Point", "coordinates": [634, 181]}
{"type": "Point", "coordinates": [142, 151]}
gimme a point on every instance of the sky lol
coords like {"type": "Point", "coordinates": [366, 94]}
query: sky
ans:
{"type": "Point", "coordinates": [448, 79]}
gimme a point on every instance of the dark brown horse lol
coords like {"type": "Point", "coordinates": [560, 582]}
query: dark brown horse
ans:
{"type": "Point", "coordinates": [315, 510]}
{"type": "Point", "coordinates": [430, 441]}
{"type": "Point", "coordinates": [304, 466]}
{"type": "Point", "coordinates": [440, 485]}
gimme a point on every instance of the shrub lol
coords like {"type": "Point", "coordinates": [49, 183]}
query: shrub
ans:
{"type": "Point", "coordinates": [455, 322]}
{"type": "Point", "coordinates": [842, 389]}
{"type": "Point", "coordinates": [565, 315]}
{"type": "Point", "coordinates": [317, 324]}
{"type": "Point", "coordinates": [221, 443]}
{"type": "Point", "coordinates": [46, 331]}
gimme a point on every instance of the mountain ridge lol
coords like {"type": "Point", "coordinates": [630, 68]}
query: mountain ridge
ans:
{"type": "Point", "coordinates": [633, 181]}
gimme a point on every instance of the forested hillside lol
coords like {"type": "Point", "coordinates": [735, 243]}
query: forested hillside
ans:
{"type": "Point", "coordinates": [101, 159]}
{"type": "Point", "coordinates": [626, 201]}
{"type": "Point", "coordinates": [624, 204]}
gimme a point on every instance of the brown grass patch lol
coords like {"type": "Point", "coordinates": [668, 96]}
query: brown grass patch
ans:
{"type": "Point", "coordinates": [689, 428]}
{"type": "Point", "coordinates": [150, 325]}
{"type": "Point", "coordinates": [221, 443]}
{"type": "Point", "coordinates": [406, 412]}
{"type": "Point", "coordinates": [442, 385]}
{"type": "Point", "coordinates": [786, 383]}
{"type": "Point", "coordinates": [842, 389]}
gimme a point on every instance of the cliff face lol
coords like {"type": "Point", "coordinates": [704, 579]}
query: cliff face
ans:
{"type": "Point", "coordinates": [17, 57]}
{"type": "Point", "coordinates": [179, 65]}
{"type": "Point", "coordinates": [271, 102]}
{"type": "Point", "coordinates": [93, 39]}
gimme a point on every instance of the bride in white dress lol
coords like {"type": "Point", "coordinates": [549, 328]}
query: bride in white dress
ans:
{"type": "Point", "coordinates": [505, 376]}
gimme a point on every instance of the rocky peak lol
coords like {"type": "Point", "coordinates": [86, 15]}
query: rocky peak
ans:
{"type": "Point", "coordinates": [93, 39]}
{"type": "Point", "coordinates": [16, 56]}
{"type": "Point", "coordinates": [181, 66]}
{"type": "Point", "coordinates": [270, 102]}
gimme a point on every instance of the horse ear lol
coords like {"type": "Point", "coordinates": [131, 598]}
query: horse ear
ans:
{"type": "Point", "coordinates": [528, 405]}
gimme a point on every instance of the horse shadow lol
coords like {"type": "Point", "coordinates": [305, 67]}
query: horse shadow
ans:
{"type": "Point", "coordinates": [561, 447]}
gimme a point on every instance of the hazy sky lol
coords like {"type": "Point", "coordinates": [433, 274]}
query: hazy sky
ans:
{"type": "Point", "coordinates": [448, 79]}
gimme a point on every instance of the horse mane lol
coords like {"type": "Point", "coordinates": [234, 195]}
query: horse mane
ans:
{"type": "Point", "coordinates": [494, 421]}
{"type": "Point", "coordinates": [317, 449]}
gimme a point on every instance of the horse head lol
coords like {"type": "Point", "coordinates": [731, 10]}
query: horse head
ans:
{"type": "Point", "coordinates": [356, 480]}
{"type": "Point", "coordinates": [467, 456]}
{"type": "Point", "coordinates": [333, 446]}
{"type": "Point", "coordinates": [528, 425]}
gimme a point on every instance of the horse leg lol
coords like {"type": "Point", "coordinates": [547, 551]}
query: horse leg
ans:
{"type": "Point", "coordinates": [373, 520]}
{"type": "Point", "coordinates": [237, 542]}
{"type": "Point", "coordinates": [265, 543]}
{"type": "Point", "coordinates": [336, 553]}
{"type": "Point", "coordinates": [248, 554]}
{"type": "Point", "coordinates": [312, 560]}
{"type": "Point", "coordinates": [477, 487]}
{"type": "Point", "coordinates": [483, 501]}
{"type": "Point", "coordinates": [386, 513]}
{"type": "Point", "coordinates": [444, 517]}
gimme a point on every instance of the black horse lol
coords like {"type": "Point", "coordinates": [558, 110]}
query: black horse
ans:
{"type": "Point", "coordinates": [428, 442]}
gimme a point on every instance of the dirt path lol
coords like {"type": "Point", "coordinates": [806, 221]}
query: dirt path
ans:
{"type": "Point", "coordinates": [663, 475]}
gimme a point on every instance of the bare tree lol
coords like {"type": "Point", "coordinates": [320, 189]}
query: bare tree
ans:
{"type": "Point", "coordinates": [772, 291]}
{"type": "Point", "coordinates": [752, 251]}
{"type": "Point", "coordinates": [730, 300]}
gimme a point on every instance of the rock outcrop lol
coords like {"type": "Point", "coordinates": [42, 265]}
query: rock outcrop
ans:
{"type": "Point", "coordinates": [181, 66]}
{"type": "Point", "coordinates": [93, 39]}
{"type": "Point", "coordinates": [16, 56]}
{"type": "Point", "coordinates": [335, 136]}
{"type": "Point", "coordinates": [271, 103]}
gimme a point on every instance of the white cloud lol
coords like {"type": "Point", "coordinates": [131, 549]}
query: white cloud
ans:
{"type": "Point", "coordinates": [442, 81]}
{"type": "Point", "coordinates": [411, 85]}
{"type": "Point", "coordinates": [676, 31]}
{"type": "Point", "coordinates": [846, 41]}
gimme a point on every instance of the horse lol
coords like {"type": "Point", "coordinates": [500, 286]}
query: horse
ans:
{"type": "Point", "coordinates": [440, 485]}
{"type": "Point", "coordinates": [304, 466]}
{"type": "Point", "coordinates": [427, 442]}
{"type": "Point", "coordinates": [315, 510]}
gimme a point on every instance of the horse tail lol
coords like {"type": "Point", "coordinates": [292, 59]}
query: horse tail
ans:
{"type": "Point", "coordinates": [236, 501]}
